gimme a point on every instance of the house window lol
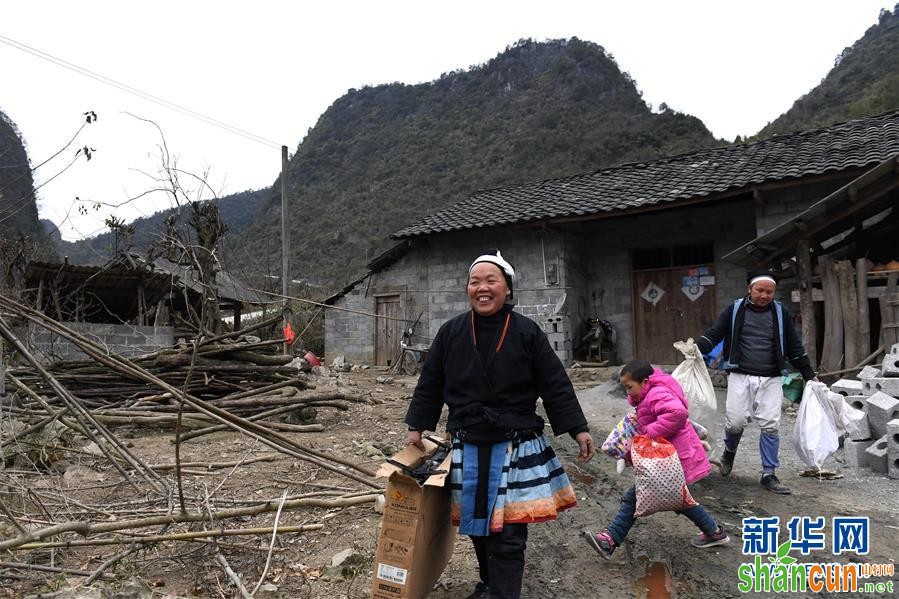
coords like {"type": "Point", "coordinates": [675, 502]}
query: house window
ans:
{"type": "Point", "coordinates": [669, 257]}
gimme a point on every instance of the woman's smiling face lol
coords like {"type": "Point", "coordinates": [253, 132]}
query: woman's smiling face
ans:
{"type": "Point", "coordinates": [487, 288]}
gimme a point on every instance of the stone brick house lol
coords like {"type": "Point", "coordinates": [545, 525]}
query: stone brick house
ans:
{"type": "Point", "coordinates": [639, 245]}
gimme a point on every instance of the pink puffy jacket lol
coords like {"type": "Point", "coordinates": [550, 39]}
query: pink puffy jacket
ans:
{"type": "Point", "coordinates": [662, 412]}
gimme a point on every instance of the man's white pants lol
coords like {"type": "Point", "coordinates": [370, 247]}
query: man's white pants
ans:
{"type": "Point", "coordinates": [753, 397]}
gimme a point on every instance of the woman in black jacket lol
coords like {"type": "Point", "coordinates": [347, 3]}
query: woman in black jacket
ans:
{"type": "Point", "coordinates": [488, 366]}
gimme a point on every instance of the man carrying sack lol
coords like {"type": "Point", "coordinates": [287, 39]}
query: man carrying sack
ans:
{"type": "Point", "coordinates": [759, 341]}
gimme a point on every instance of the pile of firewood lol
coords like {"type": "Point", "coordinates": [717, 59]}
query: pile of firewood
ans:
{"type": "Point", "coordinates": [229, 382]}
{"type": "Point", "coordinates": [240, 375]}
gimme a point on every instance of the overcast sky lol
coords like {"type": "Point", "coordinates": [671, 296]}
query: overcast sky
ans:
{"type": "Point", "coordinates": [272, 68]}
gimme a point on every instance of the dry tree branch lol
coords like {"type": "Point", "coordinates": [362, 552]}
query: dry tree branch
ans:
{"type": "Point", "coordinates": [234, 576]}
{"type": "Point", "coordinates": [40, 568]}
{"type": "Point", "coordinates": [252, 429]}
{"type": "Point", "coordinates": [178, 536]}
{"type": "Point", "coordinates": [88, 528]}
{"type": "Point", "coordinates": [268, 559]}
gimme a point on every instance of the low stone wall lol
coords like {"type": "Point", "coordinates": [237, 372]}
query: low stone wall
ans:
{"type": "Point", "coordinates": [122, 339]}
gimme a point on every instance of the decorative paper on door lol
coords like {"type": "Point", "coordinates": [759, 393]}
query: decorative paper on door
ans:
{"type": "Point", "coordinates": [693, 292]}
{"type": "Point", "coordinates": [653, 293]}
{"type": "Point", "coordinates": [706, 280]}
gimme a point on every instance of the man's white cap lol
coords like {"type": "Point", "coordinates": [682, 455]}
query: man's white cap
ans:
{"type": "Point", "coordinates": [755, 280]}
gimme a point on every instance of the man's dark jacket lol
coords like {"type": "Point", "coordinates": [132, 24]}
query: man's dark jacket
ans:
{"type": "Point", "coordinates": [786, 342]}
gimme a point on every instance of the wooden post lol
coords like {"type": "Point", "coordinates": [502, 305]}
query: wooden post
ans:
{"type": "Point", "coordinates": [849, 306]}
{"type": "Point", "coordinates": [39, 302]}
{"type": "Point", "coordinates": [285, 239]}
{"type": "Point", "coordinates": [807, 302]}
{"type": "Point", "coordinates": [889, 314]}
{"type": "Point", "coordinates": [141, 305]}
{"type": "Point", "coordinates": [832, 351]}
{"type": "Point", "coordinates": [864, 319]}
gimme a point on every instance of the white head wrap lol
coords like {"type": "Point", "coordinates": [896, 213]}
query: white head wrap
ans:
{"type": "Point", "coordinates": [498, 260]}
{"type": "Point", "coordinates": [755, 280]}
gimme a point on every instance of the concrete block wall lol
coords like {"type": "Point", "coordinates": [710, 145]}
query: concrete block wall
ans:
{"type": "Point", "coordinates": [432, 279]}
{"type": "Point", "coordinates": [122, 339]}
{"type": "Point", "coordinates": [607, 246]}
{"type": "Point", "coordinates": [352, 334]}
{"type": "Point", "coordinates": [779, 205]}
{"type": "Point", "coordinates": [527, 250]}
{"type": "Point", "coordinates": [592, 264]}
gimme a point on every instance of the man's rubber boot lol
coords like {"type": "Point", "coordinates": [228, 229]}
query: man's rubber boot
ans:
{"type": "Point", "coordinates": [727, 462]}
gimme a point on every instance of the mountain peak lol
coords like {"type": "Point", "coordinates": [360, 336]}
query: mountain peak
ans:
{"type": "Point", "coordinates": [383, 156]}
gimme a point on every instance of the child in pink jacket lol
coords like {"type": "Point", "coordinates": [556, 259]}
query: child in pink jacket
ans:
{"type": "Point", "coordinates": [661, 413]}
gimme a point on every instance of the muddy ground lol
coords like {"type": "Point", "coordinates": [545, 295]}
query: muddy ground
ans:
{"type": "Point", "coordinates": [560, 565]}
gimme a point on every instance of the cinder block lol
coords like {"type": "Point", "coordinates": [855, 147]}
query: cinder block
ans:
{"type": "Point", "coordinates": [876, 455]}
{"type": "Point", "coordinates": [888, 385]}
{"type": "Point", "coordinates": [893, 449]}
{"type": "Point", "coordinates": [890, 365]}
{"type": "Point", "coordinates": [869, 372]}
{"type": "Point", "coordinates": [881, 409]}
{"type": "Point", "coordinates": [859, 402]}
{"type": "Point", "coordinates": [895, 349]}
{"type": "Point", "coordinates": [893, 465]}
{"type": "Point", "coordinates": [893, 436]}
{"type": "Point", "coordinates": [846, 387]}
{"type": "Point", "coordinates": [862, 431]}
{"type": "Point", "coordinates": [854, 453]}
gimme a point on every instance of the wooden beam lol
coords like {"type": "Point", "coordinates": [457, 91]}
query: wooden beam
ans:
{"type": "Point", "coordinates": [849, 306]}
{"type": "Point", "coordinates": [806, 301]}
{"type": "Point", "coordinates": [863, 337]}
{"type": "Point", "coordinates": [818, 295]}
{"type": "Point", "coordinates": [758, 197]}
{"type": "Point", "coordinates": [832, 350]}
{"type": "Point", "coordinates": [889, 314]}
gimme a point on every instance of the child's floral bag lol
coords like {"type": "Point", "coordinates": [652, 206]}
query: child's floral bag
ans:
{"type": "Point", "coordinates": [659, 477]}
{"type": "Point", "coordinates": [618, 442]}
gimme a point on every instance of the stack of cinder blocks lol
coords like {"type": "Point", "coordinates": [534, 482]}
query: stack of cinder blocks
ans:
{"type": "Point", "coordinates": [875, 446]}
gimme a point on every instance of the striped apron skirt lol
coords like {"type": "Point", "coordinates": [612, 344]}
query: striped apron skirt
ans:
{"type": "Point", "coordinates": [511, 482]}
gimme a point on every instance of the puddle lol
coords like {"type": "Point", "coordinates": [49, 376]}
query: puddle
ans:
{"type": "Point", "coordinates": [582, 476]}
{"type": "Point", "coordinates": [655, 584]}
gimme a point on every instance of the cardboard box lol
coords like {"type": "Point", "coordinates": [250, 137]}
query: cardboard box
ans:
{"type": "Point", "coordinates": [417, 536]}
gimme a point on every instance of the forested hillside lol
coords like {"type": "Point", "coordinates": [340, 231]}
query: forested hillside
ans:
{"type": "Point", "coordinates": [863, 82]}
{"type": "Point", "coordinates": [18, 209]}
{"type": "Point", "coordinates": [236, 210]}
{"type": "Point", "coordinates": [381, 157]}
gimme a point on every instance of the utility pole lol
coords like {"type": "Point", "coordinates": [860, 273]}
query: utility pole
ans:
{"type": "Point", "coordinates": [285, 241]}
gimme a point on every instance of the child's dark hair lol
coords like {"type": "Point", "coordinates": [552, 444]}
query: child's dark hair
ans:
{"type": "Point", "coordinates": [638, 369]}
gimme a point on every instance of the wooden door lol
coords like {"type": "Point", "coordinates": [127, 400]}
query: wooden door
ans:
{"type": "Point", "coordinates": [671, 304]}
{"type": "Point", "coordinates": [388, 330]}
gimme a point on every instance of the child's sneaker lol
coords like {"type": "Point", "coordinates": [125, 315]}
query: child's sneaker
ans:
{"type": "Point", "coordinates": [602, 542]}
{"type": "Point", "coordinates": [719, 537]}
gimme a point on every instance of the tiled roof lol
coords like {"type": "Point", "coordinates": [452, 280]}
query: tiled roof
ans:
{"type": "Point", "coordinates": [701, 174]}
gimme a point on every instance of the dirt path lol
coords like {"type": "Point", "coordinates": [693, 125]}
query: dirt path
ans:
{"type": "Point", "coordinates": [559, 563]}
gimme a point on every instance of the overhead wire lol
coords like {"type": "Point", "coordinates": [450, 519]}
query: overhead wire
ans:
{"type": "Point", "coordinates": [137, 92]}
